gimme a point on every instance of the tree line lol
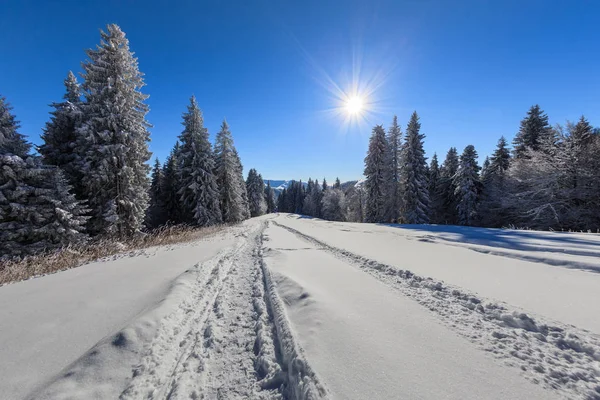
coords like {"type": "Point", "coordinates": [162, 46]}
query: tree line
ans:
{"type": "Point", "coordinates": [91, 177]}
{"type": "Point", "coordinates": [550, 179]}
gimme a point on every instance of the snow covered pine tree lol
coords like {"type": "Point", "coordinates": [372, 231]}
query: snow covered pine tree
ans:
{"type": "Point", "coordinates": [199, 192]}
{"type": "Point", "coordinates": [37, 212]}
{"type": "Point", "coordinates": [114, 137]}
{"type": "Point", "coordinates": [229, 179]}
{"type": "Point", "coordinates": [415, 200]}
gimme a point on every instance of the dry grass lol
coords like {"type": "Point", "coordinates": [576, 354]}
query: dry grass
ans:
{"type": "Point", "coordinates": [75, 256]}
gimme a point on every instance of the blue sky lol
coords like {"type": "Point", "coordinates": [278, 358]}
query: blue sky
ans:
{"type": "Point", "coordinates": [471, 69]}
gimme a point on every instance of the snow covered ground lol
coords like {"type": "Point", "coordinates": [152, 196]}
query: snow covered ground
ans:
{"type": "Point", "coordinates": [283, 306]}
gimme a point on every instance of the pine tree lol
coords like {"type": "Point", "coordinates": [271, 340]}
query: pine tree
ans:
{"type": "Point", "coordinates": [11, 141]}
{"type": "Point", "coordinates": [376, 173]}
{"type": "Point", "coordinates": [337, 184]}
{"type": "Point", "coordinates": [393, 191]}
{"type": "Point", "coordinates": [500, 160]}
{"type": "Point", "coordinates": [281, 201]}
{"type": "Point", "coordinates": [243, 189]}
{"type": "Point", "coordinates": [415, 201]}
{"type": "Point", "coordinates": [170, 184]}
{"type": "Point", "coordinates": [60, 136]}
{"type": "Point", "coordinates": [229, 179]}
{"type": "Point", "coordinates": [199, 192]}
{"type": "Point", "coordinates": [467, 186]}
{"type": "Point", "coordinates": [324, 185]}
{"type": "Point", "coordinates": [256, 189]}
{"type": "Point", "coordinates": [270, 198]}
{"type": "Point", "coordinates": [37, 211]}
{"type": "Point", "coordinates": [447, 211]}
{"type": "Point", "coordinates": [114, 137]}
{"type": "Point", "coordinates": [156, 214]}
{"type": "Point", "coordinates": [434, 190]}
{"type": "Point", "coordinates": [299, 198]}
{"type": "Point", "coordinates": [532, 131]}
{"type": "Point", "coordinates": [494, 187]}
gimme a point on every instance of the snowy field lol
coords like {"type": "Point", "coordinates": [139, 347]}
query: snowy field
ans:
{"type": "Point", "coordinates": [289, 307]}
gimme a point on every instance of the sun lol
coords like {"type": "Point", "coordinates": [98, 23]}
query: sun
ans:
{"type": "Point", "coordinates": [354, 105]}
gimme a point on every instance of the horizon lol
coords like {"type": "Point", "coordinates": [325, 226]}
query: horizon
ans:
{"type": "Point", "coordinates": [471, 76]}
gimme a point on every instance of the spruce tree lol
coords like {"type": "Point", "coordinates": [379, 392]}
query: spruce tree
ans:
{"type": "Point", "coordinates": [532, 131]}
{"type": "Point", "coordinates": [337, 184]}
{"type": "Point", "coordinates": [114, 137]}
{"type": "Point", "coordinates": [199, 192]}
{"type": "Point", "coordinates": [270, 198]}
{"type": "Point", "coordinates": [156, 214]}
{"type": "Point", "coordinates": [415, 201]}
{"type": "Point", "coordinates": [37, 210]}
{"type": "Point", "coordinates": [447, 211]}
{"type": "Point", "coordinates": [61, 140]}
{"type": "Point", "coordinates": [243, 189]}
{"type": "Point", "coordinates": [494, 187]}
{"type": "Point", "coordinates": [467, 186]}
{"type": "Point", "coordinates": [324, 185]}
{"type": "Point", "coordinates": [256, 193]}
{"type": "Point", "coordinates": [434, 190]}
{"type": "Point", "coordinates": [229, 178]}
{"type": "Point", "coordinates": [170, 184]}
{"type": "Point", "coordinates": [281, 201]}
{"type": "Point", "coordinates": [393, 190]}
{"type": "Point", "coordinates": [375, 174]}
{"type": "Point", "coordinates": [11, 141]}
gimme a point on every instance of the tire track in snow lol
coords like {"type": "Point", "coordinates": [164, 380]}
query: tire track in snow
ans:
{"type": "Point", "coordinates": [228, 338]}
{"type": "Point", "coordinates": [559, 357]}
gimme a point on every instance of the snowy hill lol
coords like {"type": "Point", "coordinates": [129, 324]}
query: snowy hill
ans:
{"type": "Point", "coordinates": [445, 312]}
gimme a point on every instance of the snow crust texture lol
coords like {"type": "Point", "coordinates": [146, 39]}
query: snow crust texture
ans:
{"type": "Point", "coordinates": [558, 356]}
{"type": "Point", "coordinates": [221, 333]}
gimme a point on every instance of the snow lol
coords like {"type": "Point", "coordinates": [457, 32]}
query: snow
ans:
{"type": "Point", "coordinates": [367, 341]}
{"type": "Point", "coordinates": [49, 322]}
{"type": "Point", "coordinates": [527, 269]}
{"type": "Point", "coordinates": [289, 307]}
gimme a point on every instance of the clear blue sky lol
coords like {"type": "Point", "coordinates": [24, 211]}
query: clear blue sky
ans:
{"type": "Point", "coordinates": [471, 69]}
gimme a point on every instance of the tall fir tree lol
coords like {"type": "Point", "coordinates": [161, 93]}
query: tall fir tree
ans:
{"type": "Point", "coordinates": [270, 198]}
{"type": "Point", "coordinates": [324, 185]}
{"type": "Point", "coordinates": [282, 201]}
{"type": "Point", "coordinates": [114, 137]}
{"type": "Point", "coordinates": [376, 172]}
{"type": "Point", "coordinates": [256, 193]}
{"type": "Point", "coordinates": [199, 192]}
{"type": "Point", "coordinates": [337, 184]}
{"type": "Point", "coordinates": [415, 201]}
{"type": "Point", "coordinates": [447, 211]}
{"type": "Point", "coordinates": [494, 187]}
{"type": "Point", "coordinates": [156, 214]}
{"type": "Point", "coordinates": [434, 190]}
{"type": "Point", "coordinates": [534, 127]}
{"type": "Point", "coordinates": [229, 179]}
{"type": "Point", "coordinates": [37, 210]}
{"type": "Point", "coordinates": [467, 186]}
{"type": "Point", "coordinates": [170, 185]}
{"type": "Point", "coordinates": [60, 136]}
{"type": "Point", "coordinates": [243, 189]}
{"type": "Point", "coordinates": [393, 191]}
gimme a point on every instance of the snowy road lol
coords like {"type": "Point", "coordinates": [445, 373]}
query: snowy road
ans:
{"type": "Point", "coordinates": [287, 307]}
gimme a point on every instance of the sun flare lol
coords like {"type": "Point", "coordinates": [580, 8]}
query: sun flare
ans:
{"type": "Point", "coordinates": [354, 105]}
